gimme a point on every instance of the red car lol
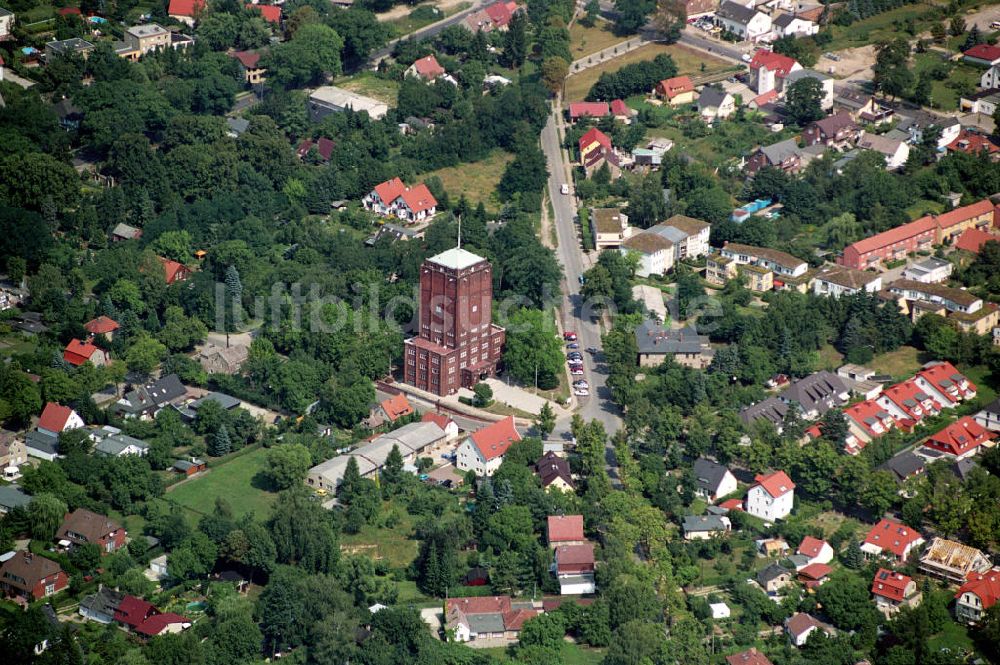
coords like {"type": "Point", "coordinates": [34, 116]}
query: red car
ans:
{"type": "Point", "coordinates": [569, 336]}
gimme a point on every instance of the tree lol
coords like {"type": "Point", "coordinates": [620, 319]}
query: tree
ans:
{"type": "Point", "coordinates": [515, 40]}
{"type": "Point", "coordinates": [804, 100]}
{"type": "Point", "coordinates": [174, 245]}
{"type": "Point", "coordinates": [219, 443]}
{"type": "Point", "coordinates": [632, 15]}
{"type": "Point", "coordinates": [554, 72]}
{"type": "Point", "coordinates": [346, 399]}
{"type": "Point", "coordinates": [834, 427]}
{"type": "Point", "coordinates": [145, 354]}
{"type": "Point", "coordinates": [288, 464]}
{"type": "Point", "coordinates": [880, 493]}
{"type": "Point", "coordinates": [891, 72]}
{"type": "Point", "coordinates": [483, 394]}
{"type": "Point", "coordinates": [845, 599]}
{"type": "Point", "coordinates": [546, 421]}
{"type": "Point", "coordinates": [312, 53]}
{"type": "Point", "coordinates": [593, 12]}
{"type": "Point", "coordinates": [957, 26]}
{"type": "Point", "coordinates": [45, 514]}
{"type": "Point", "coordinates": [392, 471]}
{"type": "Point", "coordinates": [234, 289]}
{"type": "Point", "coordinates": [645, 202]}
{"type": "Point", "coordinates": [533, 354]}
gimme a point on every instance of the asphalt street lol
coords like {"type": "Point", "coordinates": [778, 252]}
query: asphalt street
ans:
{"type": "Point", "coordinates": [428, 31]}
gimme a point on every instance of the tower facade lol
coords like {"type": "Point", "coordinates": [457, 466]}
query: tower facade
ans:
{"type": "Point", "coordinates": [457, 344]}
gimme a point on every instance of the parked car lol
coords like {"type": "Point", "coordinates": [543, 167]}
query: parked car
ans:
{"type": "Point", "coordinates": [581, 384]}
{"type": "Point", "coordinates": [591, 349]}
{"type": "Point", "coordinates": [565, 188]}
{"type": "Point", "coordinates": [582, 279]}
{"type": "Point", "coordinates": [569, 336]}
{"type": "Point", "coordinates": [577, 371]}
{"type": "Point", "coordinates": [572, 345]}
{"type": "Point", "coordinates": [581, 392]}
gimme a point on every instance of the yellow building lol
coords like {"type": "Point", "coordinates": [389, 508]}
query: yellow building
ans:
{"type": "Point", "coordinates": [759, 279]}
{"type": "Point", "coordinates": [719, 269]}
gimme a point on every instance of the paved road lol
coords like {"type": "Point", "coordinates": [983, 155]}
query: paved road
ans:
{"type": "Point", "coordinates": [575, 316]}
{"type": "Point", "coordinates": [427, 31]}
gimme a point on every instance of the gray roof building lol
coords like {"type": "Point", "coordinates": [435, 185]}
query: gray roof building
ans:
{"type": "Point", "coordinates": [42, 442]}
{"type": "Point", "coordinates": [781, 151]}
{"type": "Point", "coordinates": [119, 444]}
{"type": "Point", "coordinates": [708, 475]}
{"type": "Point", "coordinates": [800, 74]}
{"type": "Point", "coordinates": [151, 397]}
{"type": "Point", "coordinates": [817, 393]}
{"type": "Point", "coordinates": [653, 338]}
{"type": "Point", "coordinates": [736, 12]}
{"type": "Point", "coordinates": [705, 524]}
{"type": "Point", "coordinates": [12, 496]}
{"type": "Point", "coordinates": [772, 409]}
{"type": "Point", "coordinates": [711, 97]}
{"type": "Point", "coordinates": [904, 465]}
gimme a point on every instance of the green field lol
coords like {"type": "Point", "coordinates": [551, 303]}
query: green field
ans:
{"type": "Point", "coordinates": [379, 541]}
{"type": "Point", "coordinates": [584, 41]}
{"type": "Point", "coordinates": [423, 17]}
{"type": "Point", "coordinates": [366, 83]}
{"type": "Point", "coordinates": [240, 481]}
{"type": "Point", "coordinates": [946, 92]}
{"type": "Point", "coordinates": [478, 180]}
{"type": "Point", "coordinates": [569, 652]}
{"type": "Point", "coordinates": [876, 28]}
{"type": "Point", "coordinates": [901, 363]}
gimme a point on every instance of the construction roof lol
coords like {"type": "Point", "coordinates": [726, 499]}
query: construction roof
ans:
{"type": "Point", "coordinates": [952, 554]}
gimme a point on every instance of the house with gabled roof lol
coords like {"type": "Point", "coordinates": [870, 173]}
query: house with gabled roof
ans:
{"type": "Point", "coordinates": [952, 561]}
{"type": "Point", "coordinates": [173, 271]}
{"type": "Point", "coordinates": [270, 13]}
{"type": "Point", "coordinates": [814, 575]}
{"type": "Point", "coordinates": [394, 199]}
{"type": "Point", "coordinates": [769, 69]}
{"type": "Point", "coordinates": [553, 471]}
{"type": "Point", "coordinates": [978, 593]}
{"type": "Point", "coordinates": [816, 550]}
{"type": "Point", "coordinates": [714, 103]}
{"type": "Point", "coordinates": [800, 626]}
{"type": "Point", "coordinates": [145, 402]}
{"type": "Point", "coordinates": [676, 91]}
{"type": "Point", "coordinates": [31, 576]}
{"type": "Point", "coordinates": [908, 403]}
{"type": "Point", "coordinates": [77, 353]}
{"type": "Point", "coordinates": [945, 384]}
{"type": "Point", "coordinates": [103, 326]}
{"type": "Point", "coordinates": [785, 155]}
{"type": "Point", "coordinates": [579, 110]}
{"type": "Point", "coordinates": [447, 425]}
{"type": "Point", "coordinates": [186, 11]}
{"type": "Point", "coordinates": [713, 480]}
{"type": "Point", "coordinates": [495, 16]}
{"type": "Point", "coordinates": [866, 421]}
{"type": "Point", "coordinates": [324, 148]}
{"type": "Point", "coordinates": [389, 411]}
{"type": "Point", "coordinates": [596, 150]}
{"type": "Point", "coordinates": [817, 393]}
{"type": "Point", "coordinates": [57, 418]}
{"type": "Point", "coordinates": [426, 68]}
{"type": "Point", "coordinates": [959, 440]}
{"type": "Point", "coordinates": [574, 567]}
{"type": "Point", "coordinates": [982, 54]}
{"type": "Point", "coordinates": [704, 527]}
{"type": "Point", "coordinates": [746, 23]}
{"type": "Point", "coordinates": [83, 527]}
{"type": "Point", "coordinates": [494, 618]}
{"type": "Point", "coordinates": [123, 232]}
{"type": "Point", "coordinates": [482, 452]}
{"type": "Point", "coordinates": [772, 497]}
{"type": "Point", "coordinates": [891, 539]}
{"type": "Point", "coordinates": [250, 67]}
{"type": "Point", "coordinates": [565, 530]}
{"type": "Point", "coordinates": [894, 590]}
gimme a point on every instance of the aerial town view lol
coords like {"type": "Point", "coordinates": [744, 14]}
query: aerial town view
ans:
{"type": "Point", "coordinates": [499, 332]}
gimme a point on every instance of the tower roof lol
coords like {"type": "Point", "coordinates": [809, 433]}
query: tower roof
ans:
{"type": "Point", "coordinates": [456, 258]}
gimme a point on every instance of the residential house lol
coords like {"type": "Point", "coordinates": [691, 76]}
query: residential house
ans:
{"type": "Point", "coordinates": [141, 39]}
{"type": "Point", "coordinates": [68, 47]}
{"type": "Point", "coordinates": [953, 562]}
{"type": "Point", "coordinates": [780, 263]}
{"type": "Point", "coordinates": [775, 577]}
{"type": "Point", "coordinates": [578, 110]}
{"type": "Point", "coordinates": [145, 402]}
{"type": "Point", "coordinates": [749, 657]}
{"type": "Point", "coordinates": [891, 245]}
{"type": "Point", "coordinates": [837, 131]}
{"type": "Point", "coordinates": [904, 466]}
{"type": "Point", "coordinates": [772, 497]}
{"type": "Point", "coordinates": [784, 155]}
{"type": "Point", "coordinates": [972, 143]}
{"type": "Point", "coordinates": [972, 241]}
{"type": "Point", "coordinates": [57, 418]}
{"type": "Point", "coordinates": [871, 112]}
{"type": "Point", "coordinates": [189, 467]}
{"type": "Point", "coordinates": [482, 452]}
{"type": "Point", "coordinates": [42, 445]}
{"type": "Point", "coordinates": [791, 25]}
{"type": "Point", "coordinates": [932, 270]}
{"type": "Point", "coordinates": [490, 619]}
{"type": "Point", "coordinates": [119, 445]}
{"type": "Point", "coordinates": [186, 11]}
{"type": "Point", "coordinates": [676, 91]}
{"type": "Point", "coordinates": [495, 16]}
{"type": "Point", "coordinates": [978, 593]}
{"type": "Point", "coordinates": [565, 530]}
{"type": "Point", "coordinates": [945, 384]}
{"type": "Point", "coordinates": [574, 569]}
{"type": "Point", "coordinates": [101, 606]}
{"type": "Point", "coordinates": [746, 23]}
{"type": "Point", "coordinates": [891, 539]}
{"type": "Point", "coordinates": [866, 421]}
{"type": "Point", "coordinates": [908, 402]}
{"type": "Point", "coordinates": [825, 83]}
{"type": "Point", "coordinates": [609, 227]}
{"type": "Point", "coordinates": [426, 68]}
{"type": "Point", "coordinates": [31, 577]}
{"type": "Point", "coordinates": [814, 575]}
{"type": "Point", "coordinates": [984, 102]}
{"type": "Point", "coordinates": [173, 271]}
{"type": "Point", "coordinates": [860, 380]}
{"type": "Point", "coordinates": [817, 550]}
{"type": "Point", "coordinates": [800, 626]}
{"type": "Point", "coordinates": [703, 527]}
{"type": "Point", "coordinates": [960, 439]}
{"type": "Point", "coordinates": [982, 54]}
{"type": "Point", "coordinates": [714, 103]}
{"type": "Point", "coordinates": [13, 453]}
{"type": "Point", "coordinates": [621, 112]}
{"type": "Point", "coordinates": [769, 69]}
{"type": "Point", "coordinates": [82, 527]}
{"type": "Point", "coordinates": [772, 547]}
{"type": "Point", "coordinates": [123, 232]}
{"type": "Point", "coordinates": [720, 269]}
{"type": "Point", "coordinates": [656, 253]}
{"type": "Point", "coordinates": [699, 8]}
{"type": "Point", "coordinates": [329, 99]}
{"type": "Point", "coordinates": [270, 13]}
{"type": "Point", "coordinates": [447, 425]}
{"type": "Point", "coordinates": [596, 150]}
{"type": "Point", "coordinates": [896, 152]}
{"type": "Point", "coordinates": [253, 73]}
{"type": "Point", "coordinates": [11, 497]}
{"type": "Point", "coordinates": [77, 353]}
{"type": "Point", "coordinates": [103, 325]}
{"type": "Point", "coordinates": [989, 416]}
{"type": "Point", "coordinates": [894, 590]}
{"type": "Point", "coordinates": [223, 359]}
{"type": "Point", "coordinates": [389, 411]}
{"type": "Point", "coordinates": [712, 480]}
{"type": "Point", "coordinates": [835, 281]}
{"type": "Point", "coordinates": [954, 300]}
{"type": "Point", "coordinates": [6, 26]}
{"type": "Point", "coordinates": [393, 198]}
{"type": "Point", "coordinates": [816, 394]}
{"type": "Point", "coordinates": [771, 409]}
{"type": "Point", "coordinates": [655, 342]}
{"type": "Point", "coordinates": [688, 235]}
{"type": "Point", "coordinates": [144, 619]}
{"type": "Point", "coordinates": [554, 472]}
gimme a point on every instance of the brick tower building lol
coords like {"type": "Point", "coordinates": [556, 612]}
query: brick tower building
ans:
{"type": "Point", "coordinates": [457, 345]}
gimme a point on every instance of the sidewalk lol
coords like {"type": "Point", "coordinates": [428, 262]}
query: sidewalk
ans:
{"type": "Point", "coordinates": [610, 53]}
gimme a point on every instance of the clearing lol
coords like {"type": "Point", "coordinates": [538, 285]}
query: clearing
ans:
{"type": "Point", "coordinates": [366, 83]}
{"type": "Point", "coordinates": [953, 79]}
{"type": "Point", "coordinates": [689, 61]}
{"type": "Point", "coordinates": [901, 363]}
{"type": "Point", "coordinates": [477, 180]}
{"type": "Point", "coordinates": [240, 481]}
{"type": "Point", "coordinates": [390, 538]}
{"type": "Point", "coordinates": [584, 41]}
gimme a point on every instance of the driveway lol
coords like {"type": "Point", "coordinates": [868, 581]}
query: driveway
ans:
{"type": "Point", "coordinates": [432, 617]}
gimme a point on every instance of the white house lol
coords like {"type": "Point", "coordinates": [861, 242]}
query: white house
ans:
{"type": "Point", "coordinates": [394, 199]}
{"type": "Point", "coordinates": [800, 626]}
{"type": "Point", "coordinates": [57, 418]}
{"type": "Point", "coordinates": [979, 593]}
{"type": "Point", "coordinates": [772, 497]}
{"type": "Point", "coordinates": [989, 416]}
{"type": "Point", "coordinates": [745, 22]}
{"type": "Point", "coordinates": [836, 281]}
{"type": "Point", "coordinates": [790, 25]}
{"type": "Point", "coordinates": [449, 426]}
{"type": "Point", "coordinates": [768, 70]}
{"type": "Point", "coordinates": [715, 104]}
{"type": "Point", "coordinates": [818, 551]}
{"type": "Point", "coordinates": [720, 610]}
{"type": "Point", "coordinates": [704, 527]}
{"type": "Point", "coordinates": [990, 79]}
{"type": "Point", "coordinates": [483, 451]}
{"type": "Point", "coordinates": [712, 480]}
{"type": "Point", "coordinates": [6, 23]}
{"type": "Point", "coordinates": [896, 152]}
{"type": "Point", "coordinates": [655, 253]}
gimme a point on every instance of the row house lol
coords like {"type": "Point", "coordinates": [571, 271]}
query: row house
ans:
{"type": "Point", "coordinates": [836, 281]}
{"type": "Point", "coordinates": [394, 199]}
{"type": "Point", "coordinates": [866, 421]}
{"type": "Point", "coordinates": [908, 403]}
{"type": "Point", "coordinates": [780, 263]}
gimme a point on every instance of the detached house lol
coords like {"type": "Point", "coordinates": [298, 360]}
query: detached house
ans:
{"type": "Point", "coordinates": [596, 150]}
{"type": "Point", "coordinates": [394, 199]}
{"type": "Point", "coordinates": [426, 68]}
{"type": "Point", "coordinates": [749, 657]}
{"type": "Point", "coordinates": [836, 281]}
{"type": "Point", "coordinates": [891, 539]}
{"type": "Point", "coordinates": [979, 593]}
{"type": "Point", "coordinates": [837, 131]}
{"type": "Point", "coordinates": [825, 84]}
{"type": "Point", "coordinates": [800, 626]}
{"type": "Point", "coordinates": [253, 73]}
{"type": "Point", "coordinates": [57, 418]}
{"type": "Point", "coordinates": [173, 271]}
{"type": "Point", "coordinates": [772, 497]}
{"type": "Point", "coordinates": [78, 353]}
{"type": "Point", "coordinates": [676, 91]}
{"type": "Point", "coordinates": [102, 326]}
{"type": "Point", "coordinates": [574, 568]}
{"type": "Point", "coordinates": [893, 591]}
{"type": "Point", "coordinates": [565, 530]}
{"type": "Point", "coordinates": [784, 155]}
{"type": "Point", "coordinates": [31, 577]}
{"type": "Point", "coordinates": [82, 527]}
{"type": "Point", "coordinates": [746, 23]}
{"type": "Point", "coordinates": [791, 25]}
{"type": "Point", "coordinates": [186, 11]}
{"type": "Point", "coordinates": [769, 69]}
{"type": "Point", "coordinates": [703, 527]}
{"type": "Point", "coordinates": [495, 16]}
{"type": "Point", "coordinates": [960, 439]}
{"type": "Point", "coordinates": [713, 480]}
{"type": "Point", "coordinates": [896, 152]}
{"type": "Point", "coordinates": [982, 54]}
{"type": "Point", "coordinates": [817, 393]}
{"type": "Point", "coordinates": [554, 472]}
{"type": "Point", "coordinates": [146, 401]}
{"type": "Point", "coordinates": [487, 618]}
{"type": "Point", "coordinates": [816, 550]}
{"type": "Point", "coordinates": [953, 562]}
{"type": "Point", "coordinates": [715, 104]}
{"type": "Point", "coordinates": [483, 451]}
{"type": "Point", "coordinates": [389, 411]}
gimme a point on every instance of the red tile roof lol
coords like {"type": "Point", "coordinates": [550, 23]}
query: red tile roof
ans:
{"type": "Point", "coordinates": [588, 109]}
{"type": "Point", "coordinates": [54, 417]}
{"type": "Point", "coordinates": [157, 623]}
{"type": "Point", "coordinates": [618, 107]}
{"type": "Point", "coordinates": [800, 622]}
{"type": "Point", "coordinates": [564, 528]}
{"type": "Point", "coordinates": [765, 98]}
{"type": "Point", "coordinates": [983, 52]}
{"type": "Point", "coordinates": [418, 198]}
{"type": "Point", "coordinates": [396, 407]}
{"type": "Point", "coordinates": [732, 504]}
{"type": "Point", "coordinates": [675, 86]}
{"type": "Point", "coordinates": [780, 64]}
{"type": "Point", "coordinates": [500, 12]}
{"type": "Point", "coordinates": [270, 13]}
{"type": "Point", "coordinates": [438, 419]}
{"type": "Point", "coordinates": [947, 380]}
{"type": "Point", "coordinates": [324, 147]}
{"type": "Point", "coordinates": [910, 398]}
{"type": "Point", "coordinates": [595, 135]}
{"type": "Point", "coordinates": [494, 440]}
{"type": "Point", "coordinates": [248, 59]}
{"type": "Point", "coordinates": [133, 611]}
{"type": "Point", "coordinates": [815, 571]}
{"type": "Point", "coordinates": [892, 537]}
{"type": "Point", "coordinates": [575, 558]}
{"type": "Point", "coordinates": [77, 352]}
{"type": "Point", "coordinates": [185, 7]}
{"type": "Point", "coordinates": [964, 213]}
{"type": "Point", "coordinates": [515, 619]}
{"type": "Point", "coordinates": [776, 484]}
{"type": "Point", "coordinates": [482, 605]}
{"type": "Point", "coordinates": [972, 143]}
{"type": "Point", "coordinates": [891, 585]}
{"type": "Point", "coordinates": [101, 325]}
{"type": "Point", "coordinates": [811, 546]}
{"type": "Point", "coordinates": [960, 437]}
{"type": "Point", "coordinates": [67, 11]}
{"type": "Point", "coordinates": [866, 413]}
{"type": "Point", "coordinates": [172, 270]}
{"type": "Point", "coordinates": [749, 657]}
{"type": "Point", "coordinates": [896, 235]}
{"type": "Point", "coordinates": [972, 240]}
{"type": "Point", "coordinates": [986, 586]}
{"type": "Point", "coordinates": [428, 67]}
{"type": "Point", "coordinates": [390, 190]}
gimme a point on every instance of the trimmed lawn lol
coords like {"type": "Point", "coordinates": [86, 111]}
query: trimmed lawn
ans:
{"type": "Point", "coordinates": [478, 180]}
{"type": "Point", "coordinates": [945, 93]}
{"type": "Point", "coordinates": [924, 207]}
{"type": "Point", "coordinates": [688, 61]}
{"type": "Point", "coordinates": [366, 83]}
{"type": "Point", "coordinates": [239, 481]}
{"type": "Point", "coordinates": [584, 41]}
{"type": "Point", "coordinates": [985, 386]}
{"type": "Point", "coordinates": [410, 23]}
{"type": "Point", "coordinates": [954, 637]}
{"type": "Point", "coordinates": [901, 363]}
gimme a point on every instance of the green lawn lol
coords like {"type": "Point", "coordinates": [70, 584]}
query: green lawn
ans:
{"type": "Point", "coordinates": [366, 83]}
{"type": "Point", "coordinates": [901, 363]}
{"type": "Point", "coordinates": [980, 375]}
{"type": "Point", "coordinates": [830, 358]}
{"type": "Point", "coordinates": [423, 16]}
{"type": "Point", "coordinates": [876, 28]}
{"type": "Point", "coordinates": [569, 652]}
{"type": "Point", "coordinates": [954, 637]}
{"type": "Point", "coordinates": [478, 180]}
{"type": "Point", "coordinates": [239, 480]}
{"type": "Point", "coordinates": [584, 41]}
{"type": "Point", "coordinates": [960, 76]}
{"type": "Point", "coordinates": [922, 207]}
{"type": "Point", "coordinates": [379, 541]}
